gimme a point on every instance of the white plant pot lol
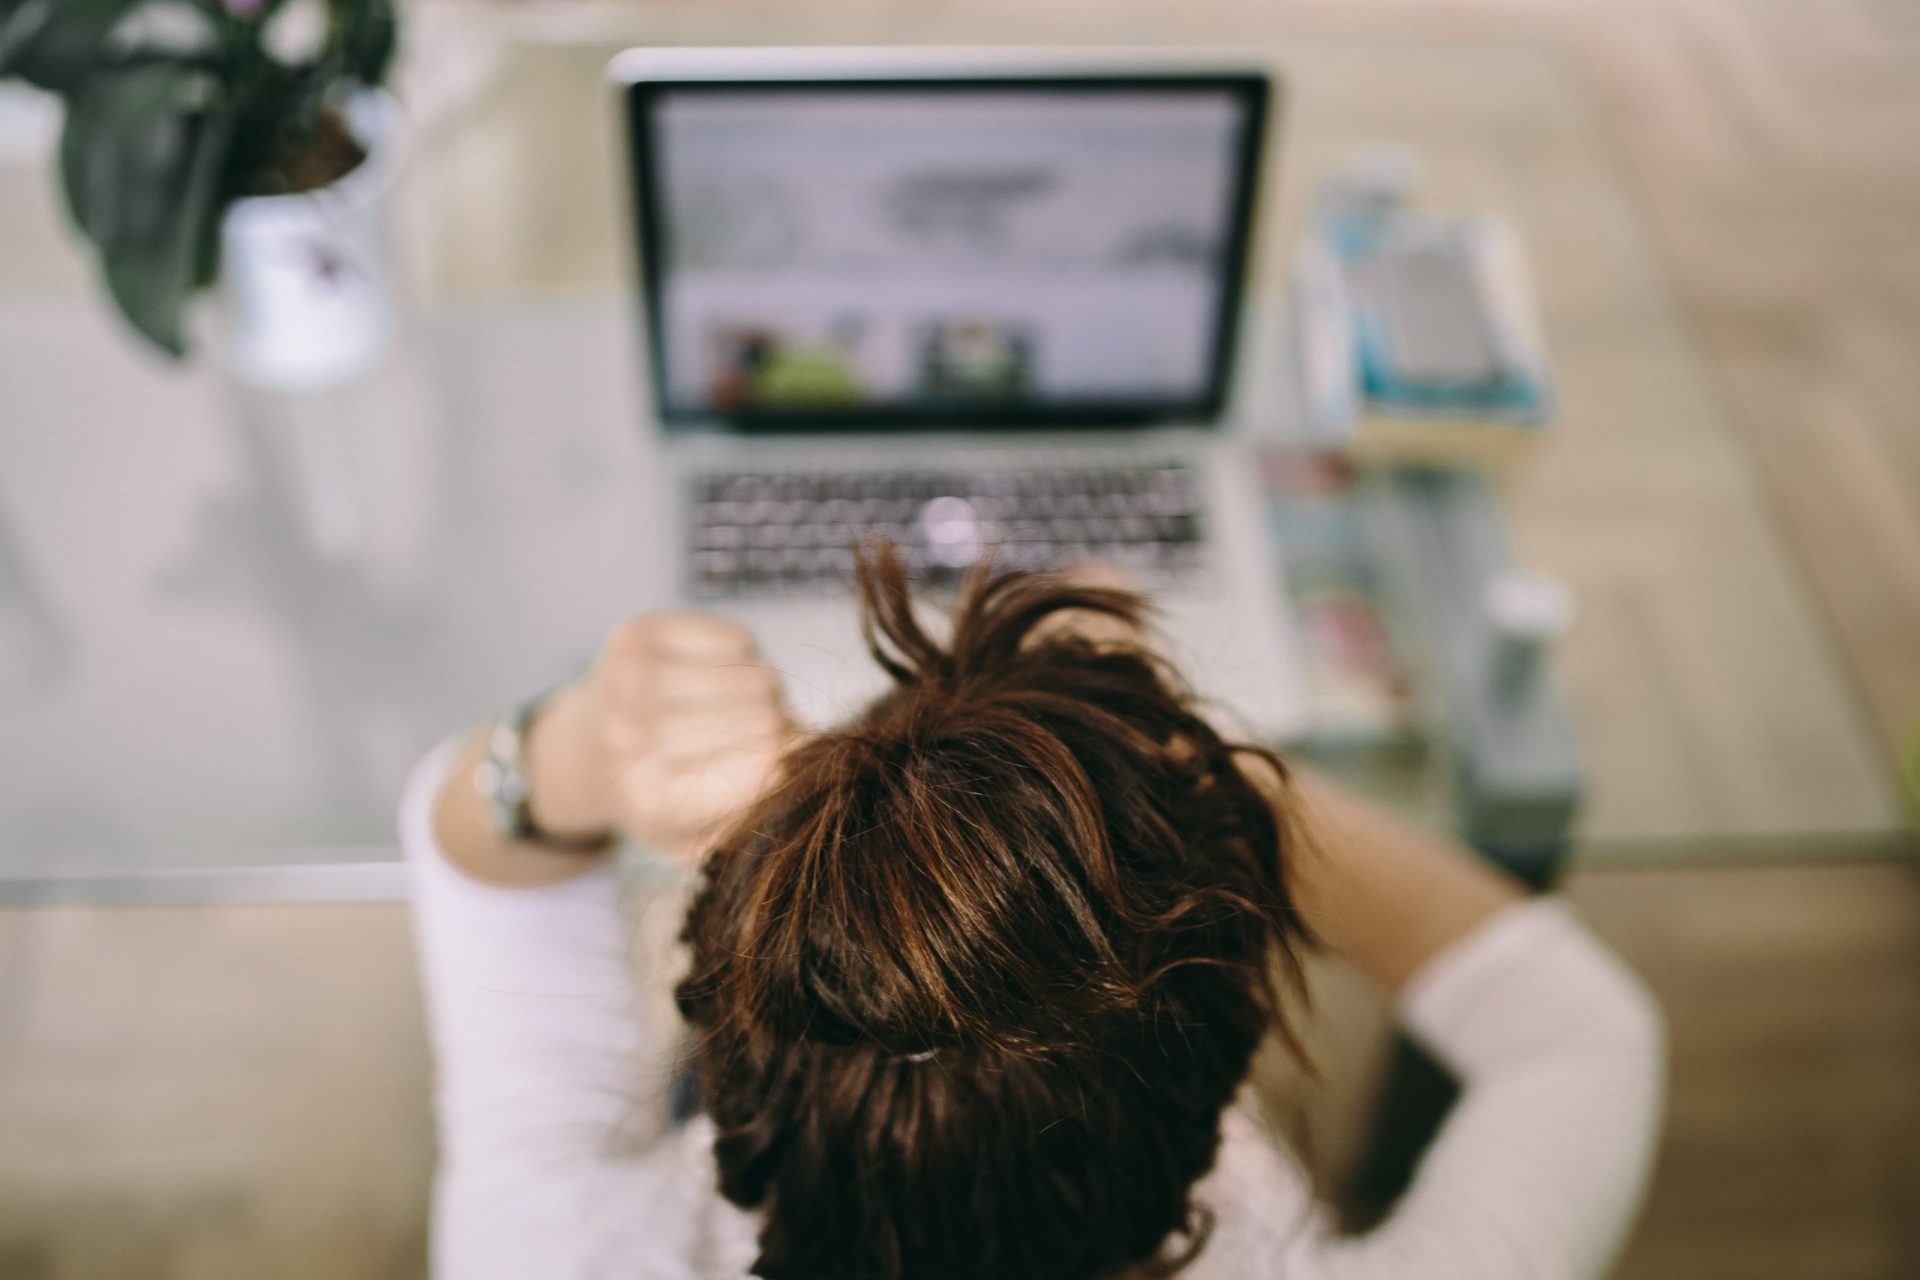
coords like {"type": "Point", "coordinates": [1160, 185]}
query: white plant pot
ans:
{"type": "Point", "coordinates": [307, 300]}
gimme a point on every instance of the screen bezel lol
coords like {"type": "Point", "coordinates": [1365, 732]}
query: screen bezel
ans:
{"type": "Point", "coordinates": [1254, 89]}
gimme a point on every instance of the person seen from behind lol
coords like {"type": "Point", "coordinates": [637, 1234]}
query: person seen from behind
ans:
{"type": "Point", "coordinates": [974, 980]}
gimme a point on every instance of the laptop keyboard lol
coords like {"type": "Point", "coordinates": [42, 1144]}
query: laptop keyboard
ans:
{"type": "Point", "coordinates": [795, 531]}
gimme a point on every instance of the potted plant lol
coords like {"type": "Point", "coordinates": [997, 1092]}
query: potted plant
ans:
{"type": "Point", "coordinates": [243, 142]}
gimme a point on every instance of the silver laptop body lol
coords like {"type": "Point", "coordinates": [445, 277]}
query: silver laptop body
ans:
{"type": "Point", "coordinates": [976, 299]}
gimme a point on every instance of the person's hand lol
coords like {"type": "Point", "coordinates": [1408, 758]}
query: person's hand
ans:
{"type": "Point", "coordinates": [1100, 628]}
{"type": "Point", "coordinates": [678, 727]}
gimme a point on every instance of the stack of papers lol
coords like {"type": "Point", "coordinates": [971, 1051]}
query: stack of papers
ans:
{"type": "Point", "coordinates": [1419, 338]}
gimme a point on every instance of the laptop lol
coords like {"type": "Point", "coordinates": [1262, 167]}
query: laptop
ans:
{"type": "Point", "coordinates": [979, 301]}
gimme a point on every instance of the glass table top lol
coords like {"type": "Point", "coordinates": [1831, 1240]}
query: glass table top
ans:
{"type": "Point", "coordinates": [229, 621]}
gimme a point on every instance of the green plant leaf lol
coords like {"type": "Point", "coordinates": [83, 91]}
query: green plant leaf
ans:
{"type": "Point", "coordinates": [55, 44]}
{"type": "Point", "coordinates": [153, 281]}
{"type": "Point", "coordinates": [367, 37]}
{"type": "Point", "coordinates": [143, 156]}
{"type": "Point", "coordinates": [125, 145]}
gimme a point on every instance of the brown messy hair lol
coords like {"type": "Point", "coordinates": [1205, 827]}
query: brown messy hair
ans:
{"type": "Point", "coordinates": [973, 985]}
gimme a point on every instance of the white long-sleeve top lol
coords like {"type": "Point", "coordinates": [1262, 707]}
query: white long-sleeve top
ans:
{"type": "Point", "coordinates": [558, 1160]}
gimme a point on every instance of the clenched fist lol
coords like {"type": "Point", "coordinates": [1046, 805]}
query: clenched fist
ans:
{"type": "Point", "coordinates": [676, 729]}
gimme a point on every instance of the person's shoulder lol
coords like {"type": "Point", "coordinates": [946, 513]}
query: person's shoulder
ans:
{"type": "Point", "coordinates": [659, 1214]}
{"type": "Point", "coordinates": [1258, 1199]}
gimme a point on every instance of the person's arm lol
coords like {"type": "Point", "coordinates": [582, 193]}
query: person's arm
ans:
{"type": "Point", "coordinates": [1379, 892]}
{"type": "Point", "coordinates": [676, 726]}
{"type": "Point", "coordinates": [544, 1065]}
{"type": "Point", "coordinates": [1538, 1171]}
{"type": "Point", "coordinates": [541, 1058]}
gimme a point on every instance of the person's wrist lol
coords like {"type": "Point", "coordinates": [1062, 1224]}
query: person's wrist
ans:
{"type": "Point", "coordinates": [570, 796]}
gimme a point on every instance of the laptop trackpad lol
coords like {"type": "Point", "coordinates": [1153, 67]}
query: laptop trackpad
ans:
{"type": "Point", "coordinates": [1228, 654]}
{"type": "Point", "coordinates": [816, 645]}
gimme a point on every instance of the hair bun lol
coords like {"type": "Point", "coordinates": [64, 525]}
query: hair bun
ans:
{"type": "Point", "coordinates": [1027, 891]}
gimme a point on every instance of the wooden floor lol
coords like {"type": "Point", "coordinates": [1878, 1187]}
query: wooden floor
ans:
{"type": "Point", "coordinates": [1773, 146]}
{"type": "Point", "coordinates": [222, 1092]}
{"type": "Point", "coordinates": [1774, 143]}
{"type": "Point", "coordinates": [241, 1092]}
{"type": "Point", "coordinates": [1792, 1147]}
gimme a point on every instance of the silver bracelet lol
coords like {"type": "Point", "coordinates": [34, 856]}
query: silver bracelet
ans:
{"type": "Point", "coordinates": [502, 779]}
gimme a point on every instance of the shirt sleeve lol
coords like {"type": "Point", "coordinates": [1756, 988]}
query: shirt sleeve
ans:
{"type": "Point", "coordinates": [1539, 1170]}
{"type": "Point", "coordinates": [544, 1066]}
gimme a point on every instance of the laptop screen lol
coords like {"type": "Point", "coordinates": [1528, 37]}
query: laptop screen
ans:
{"type": "Point", "coordinates": [954, 252]}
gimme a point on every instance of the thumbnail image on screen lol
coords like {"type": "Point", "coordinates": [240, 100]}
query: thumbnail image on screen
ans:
{"type": "Point", "coordinates": [830, 248]}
